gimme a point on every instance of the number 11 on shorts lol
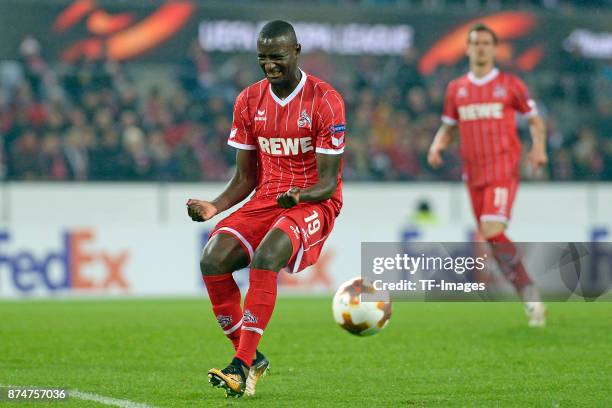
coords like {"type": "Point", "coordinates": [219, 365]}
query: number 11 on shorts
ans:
{"type": "Point", "coordinates": [500, 198]}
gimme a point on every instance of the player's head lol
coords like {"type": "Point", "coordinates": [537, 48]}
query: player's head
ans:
{"type": "Point", "coordinates": [482, 43]}
{"type": "Point", "coordinates": [277, 52]}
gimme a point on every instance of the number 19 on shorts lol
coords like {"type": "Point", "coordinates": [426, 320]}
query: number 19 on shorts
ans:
{"type": "Point", "coordinates": [313, 223]}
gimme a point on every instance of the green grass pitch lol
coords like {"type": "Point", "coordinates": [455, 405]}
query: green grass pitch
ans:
{"type": "Point", "coordinates": [432, 354]}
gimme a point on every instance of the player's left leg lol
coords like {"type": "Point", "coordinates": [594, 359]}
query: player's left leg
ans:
{"type": "Point", "coordinates": [497, 206]}
{"type": "Point", "coordinates": [271, 255]}
{"type": "Point", "coordinates": [506, 254]}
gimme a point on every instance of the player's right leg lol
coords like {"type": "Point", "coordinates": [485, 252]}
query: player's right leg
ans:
{"type": "Point", "coordinates": [223, 255]}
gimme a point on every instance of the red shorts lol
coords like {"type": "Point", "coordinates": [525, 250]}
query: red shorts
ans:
{"type": "Point", "coordinates": [493, 201]}
{"type": "Point", "coordinates": [307, 224]}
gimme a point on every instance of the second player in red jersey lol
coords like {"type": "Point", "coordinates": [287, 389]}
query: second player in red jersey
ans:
{"type": "Point", "coordinates": [289, 132]}
{"type": "Point", "coordinates": [482, 106]}
{"type": "Point", "coordinates": [485, 111]}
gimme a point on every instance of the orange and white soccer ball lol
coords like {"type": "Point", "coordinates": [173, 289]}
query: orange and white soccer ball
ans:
{"type": "Point", "coordinates": [357, 317]}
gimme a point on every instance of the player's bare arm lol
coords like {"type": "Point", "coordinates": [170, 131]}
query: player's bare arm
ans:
{"type": "Point", "coordinates": [443, 139]}
{"type": "Point", "coordinates": [328, 166]}
{"type": "Point", "coordinates": [537, 156]}
{"type": "Point", "coordinates": [243, 182]}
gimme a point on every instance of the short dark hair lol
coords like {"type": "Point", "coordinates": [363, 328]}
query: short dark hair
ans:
{"type": "Point", "coordinates": [485, 28]}
{"type": "Point", "coordinates": [278, 28]}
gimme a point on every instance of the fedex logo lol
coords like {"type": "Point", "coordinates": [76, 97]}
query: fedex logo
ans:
{"type": "Point", "coordinates": [279, 146]}
{"type": "Point", "coordinates": [74, 265]}
{"type": "Point", "coordinates": [477, 111]}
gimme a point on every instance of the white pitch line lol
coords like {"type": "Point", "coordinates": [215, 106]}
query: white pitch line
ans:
{"type": "Point", "coordinates": [87, 396]}
{"type": "Point", "coordinates": [106, 400]}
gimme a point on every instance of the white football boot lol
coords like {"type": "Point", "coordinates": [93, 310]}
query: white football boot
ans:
{"type": "Point", "coordinates": [536, 312]}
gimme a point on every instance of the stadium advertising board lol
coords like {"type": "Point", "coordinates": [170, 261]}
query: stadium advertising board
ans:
{"type": "Point", "coordinates": [96, 261]}
{"type": "Point", "coordinates": [104, 261]}
{"type": "Point", "coordinates": [85, 255]}
{"type": "Point", "coordinates": [63, 266]}
{"type": "Point", "coordinates": [342, 39]}
{"type": "Point", "coordinates": [164, 33]}
{"type": "Point", "coordinates": [592, 44]}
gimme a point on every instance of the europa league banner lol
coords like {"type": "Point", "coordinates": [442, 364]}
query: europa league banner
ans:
{"type": "Point", "coordinates": [165, 31]}
{"type": "Point", "coordinates": [469, 271]}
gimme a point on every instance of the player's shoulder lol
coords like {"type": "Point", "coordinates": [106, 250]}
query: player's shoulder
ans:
{"type": "Point", "coordinates": [509, 77]}
{"type": "Point", "coordinates": [321, 88]}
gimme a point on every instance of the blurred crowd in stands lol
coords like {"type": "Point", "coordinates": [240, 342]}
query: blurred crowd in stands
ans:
{"type": "Point", "coordinates": [92, 120]}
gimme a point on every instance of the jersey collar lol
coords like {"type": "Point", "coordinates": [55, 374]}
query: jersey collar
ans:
{"type": "Point", "coordinates": [487, 78]}
{"type": "Point", "coordinates": [298, 88]}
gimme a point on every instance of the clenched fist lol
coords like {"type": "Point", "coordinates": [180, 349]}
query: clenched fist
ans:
{"type": "Point", "coordinates": [289, 199]}
{"type": "Point", "coordinates": [200, 210]}
{"type": "Point", "coordinates": [434, 158]}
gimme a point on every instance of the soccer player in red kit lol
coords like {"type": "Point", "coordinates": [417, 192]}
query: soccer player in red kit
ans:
{"type": "Point", "coordinates": [288, 130]}
{"type": "Point", "coordinates": [482, 105]}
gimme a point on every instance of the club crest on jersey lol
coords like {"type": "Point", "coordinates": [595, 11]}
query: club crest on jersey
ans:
{"type": "Point", "coordinates": [499, 92]}
{"type": "Point", "coordinates": [304, 121]}
{"type": "Point", "coordinates": [224, 321]}
{"type": "Point", "coordinates": [249, 317]}
{"type": "Point", "coordinates": [462, 92]}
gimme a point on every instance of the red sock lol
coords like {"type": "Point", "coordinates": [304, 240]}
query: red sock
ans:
{"type": "Point", "coordinates": [225, 298]}
{"type": "Point", "coordinates": [509, 261]}
{"type": "Point", "coordinates": [258, 307]}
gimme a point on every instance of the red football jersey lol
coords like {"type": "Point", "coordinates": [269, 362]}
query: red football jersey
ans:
{"type": "Point", "coordinates": [484, 108]}
{"type": "Point", "coordinates": [287, 133]}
